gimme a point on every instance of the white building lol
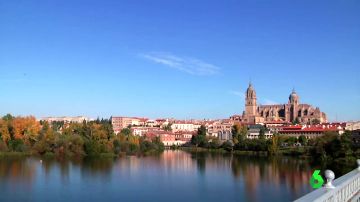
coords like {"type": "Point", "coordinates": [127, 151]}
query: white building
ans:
{"type": "Point", "coordinates": [184, 126]}
{"type": "Point", "coordinates": [351, 126]}
{"type": "Point", "coordinates": [254, 133]}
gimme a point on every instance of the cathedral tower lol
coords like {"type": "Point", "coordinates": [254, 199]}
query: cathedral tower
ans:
{"type": "Point", "coordinates": [294, 102]}
{"type": "Point", "coordinates": [250, 101]}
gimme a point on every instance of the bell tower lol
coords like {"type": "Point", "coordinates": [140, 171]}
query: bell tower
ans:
{"type": "Point", "coordinates": [294, 102]}
{"type": "Point", "coordinates": [250, 101]}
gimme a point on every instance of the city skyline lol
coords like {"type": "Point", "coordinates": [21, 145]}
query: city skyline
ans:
{"type": "Point", "coordinates": [176, 60]}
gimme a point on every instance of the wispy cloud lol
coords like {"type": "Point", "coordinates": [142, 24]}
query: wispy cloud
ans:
{"type": "Point", "coordinates": [237, 93]}
{"type": "Point", "coordinates": [185, 64]}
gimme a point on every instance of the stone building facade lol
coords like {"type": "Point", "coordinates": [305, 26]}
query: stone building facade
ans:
{"type": "Point", "coordinates": [290, 112]}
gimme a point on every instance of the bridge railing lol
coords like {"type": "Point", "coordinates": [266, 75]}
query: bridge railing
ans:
{"type": "Point", "coordinates": [344, 188]}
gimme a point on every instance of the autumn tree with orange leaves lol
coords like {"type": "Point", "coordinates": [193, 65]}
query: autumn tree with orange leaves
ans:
{"type": "Point", "coordinates": [26, 134]}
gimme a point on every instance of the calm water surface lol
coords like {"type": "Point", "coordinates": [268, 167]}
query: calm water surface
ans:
{"type": "Point", "coordinates": [171, 176]}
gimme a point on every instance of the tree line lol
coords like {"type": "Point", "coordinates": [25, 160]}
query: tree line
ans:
{"type": "Point", "coordinates": [94, 138]}
{"type": "Point", "coordinates": [329, 147]}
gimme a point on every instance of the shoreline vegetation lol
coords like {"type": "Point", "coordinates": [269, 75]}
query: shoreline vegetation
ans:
{"type": "Point", "coordinates": [25, 136]}
{"type": "Point", "coordinates": [338, 152]}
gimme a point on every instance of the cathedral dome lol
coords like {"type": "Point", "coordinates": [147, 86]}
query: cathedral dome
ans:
{"type": "Point", "coordinates": [293, 96]}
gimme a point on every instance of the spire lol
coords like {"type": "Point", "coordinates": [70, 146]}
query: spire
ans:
{"type": "Point", "coordinates": [293, 90]}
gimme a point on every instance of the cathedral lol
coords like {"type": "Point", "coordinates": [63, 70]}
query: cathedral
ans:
{"type": "Point", "coordinates": [293, 111]}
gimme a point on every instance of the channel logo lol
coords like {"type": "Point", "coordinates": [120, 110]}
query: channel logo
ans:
{"type": "Point", "coordinates": [316, 181]}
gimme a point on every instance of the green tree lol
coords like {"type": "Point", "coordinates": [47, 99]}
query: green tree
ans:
{"type": "Point", "coordinates": [17, 145]}
{"type": "Point", "coordinates": [227, 145]}
{"type": "Point", "coordinates": [332, 146]}
{"type": "Point", "coordinates": [262, 133]}
{"type": "Point", "coordinates": [8, 117]}
{"type": "Point", "coordinates": [200, 138]}
{"type": "Point", "coordinates": [167, 127]}
{"type": "Point", "coordinates": [291, 140]}
{"type": "Point", "coordinates": [202, 130]}
{"type": "Point", "coordinates": [126, 131]}
{"type": "Point", "coordinates": [239, 133]}
{"type": "Point", "coordinates": [214, 143]}
{"type": "Point", "coordinates": [302, 140]}
{"type": "Point", "coordinates": [274, 146]}
{"type": "Point", "coordinates": [117, 146]}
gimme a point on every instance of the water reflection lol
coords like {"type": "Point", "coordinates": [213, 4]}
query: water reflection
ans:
{"type": "Point", "coordinates": [198, 176]}
{"type": "Point", "coordinates": [17, 169]}
{"type": "Point", "coordinates": [279, 173]}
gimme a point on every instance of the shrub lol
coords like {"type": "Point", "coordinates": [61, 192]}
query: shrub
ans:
{"type": "Point", "coordinates": [17, 145]}
{"type": "Point", "coordinates": [227, 146]}
{"type": "Point", "coordinates": [3, 146]}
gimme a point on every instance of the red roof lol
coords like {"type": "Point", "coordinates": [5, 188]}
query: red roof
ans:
{"type": "Point", "coordinates": [311, 128]}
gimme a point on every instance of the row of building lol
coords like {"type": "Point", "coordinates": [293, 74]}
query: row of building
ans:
{"type": "Point", "coordinates": [292, 119]}
{"type": "Point", "coordinates": [179, 132]}
{"type": "Point", "coordinates": [182, 130]}
{"type": "Point", "coordinates": [172, 131]}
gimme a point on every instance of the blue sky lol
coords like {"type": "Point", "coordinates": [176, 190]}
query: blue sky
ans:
{"type": "Point", "coordinates": [182, 59]}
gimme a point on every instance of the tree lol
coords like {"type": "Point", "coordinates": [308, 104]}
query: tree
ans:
{"type": "Point", "coordinates": [46, 140]}
{"type": "Point", "coordinates": [274, 146]}
{"type": "Point", "coordinates": [86, 138]}
{"type": "Point", "coordinates": [4, 131]}
{"type": "Point", "coordinates": [214, 143]}
{"type": "Point", "coordinates": [200, 138]}
{"type": "Point", "coordinates": [159, 145]}
{"type": "Point", "coordinates": [8, 117]}
{"type": "Point", "coordinates": [197, 140]}
{"type": "Point", "coordinates": [76, 145]}
{"type": "Point", "coordinates": [202, 130]}
{"type": "Point", "coordinates": [332, 146]}
{"type": "Point", "coordinates": [17, 145]}
{"type": "Point", "coordinates": [228, 146]}
{"type": "Point", "coordinates": [126, 131]}
{"type": "Point", "coordinates": [262, 133]}
{"type": "Point", "coordinates": [26, 128]}
{"type": "Point", "coordinates": [57, 125]}
{"type": "Point", "coordinates": [302, 140]}
{"type": "Point", "coordinates": [117, 146]}
{"type": "Point", "coordinates": [167, 127]}
{"type": "Point", "coordinates": [238, 132]}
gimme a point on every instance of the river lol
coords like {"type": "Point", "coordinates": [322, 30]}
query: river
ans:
{"type": "Point", "coordinates": [170, 176]}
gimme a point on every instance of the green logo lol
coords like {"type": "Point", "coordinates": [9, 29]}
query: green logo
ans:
{"type": "Point", "coordinates": [316, 181]}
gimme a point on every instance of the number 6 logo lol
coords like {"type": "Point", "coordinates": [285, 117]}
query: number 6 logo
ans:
{"type": "Point", "coordinates": [316, 181]}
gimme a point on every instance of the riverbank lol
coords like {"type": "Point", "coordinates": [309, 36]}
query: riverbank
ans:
{"type": "Point", "coordinates": [299, 151]}
{"type": "Point", "coordinates": [14, 154]}
{"type": "Point", "coordinates": [51, 155]}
